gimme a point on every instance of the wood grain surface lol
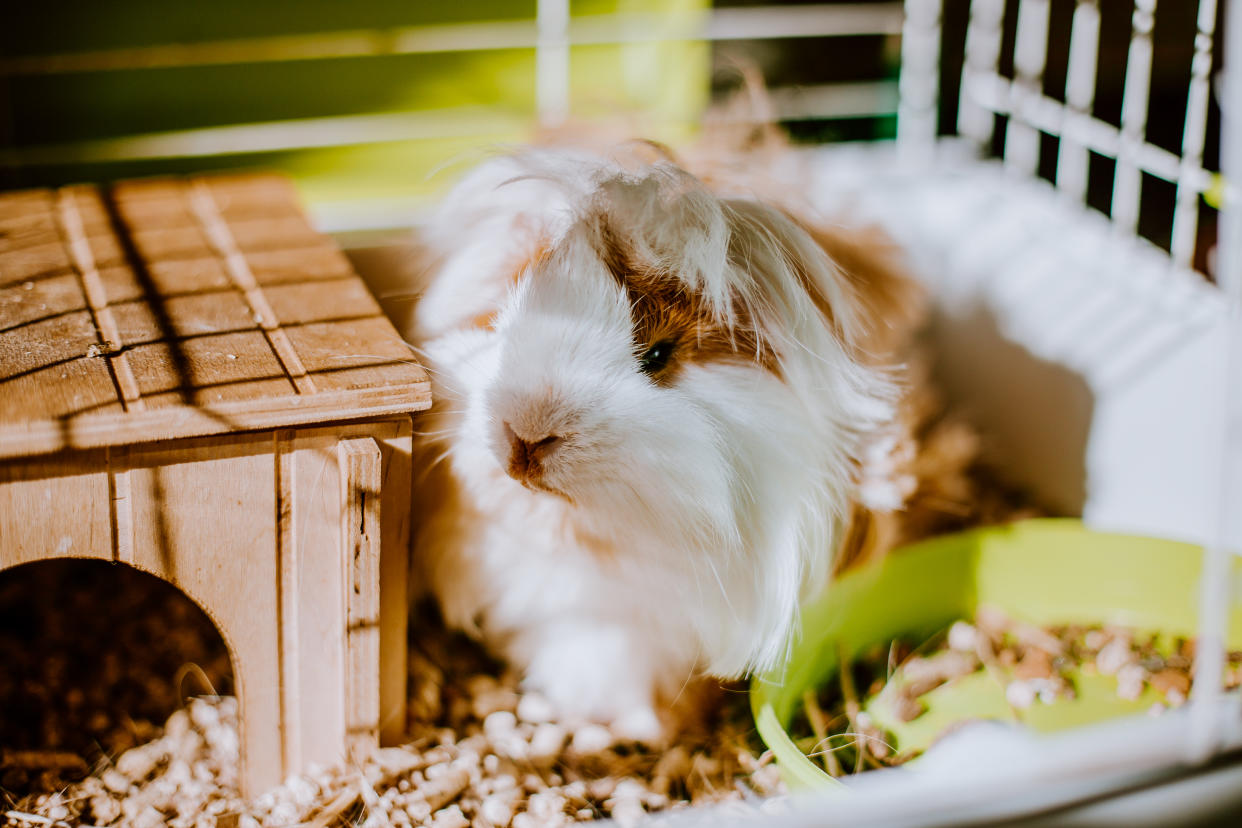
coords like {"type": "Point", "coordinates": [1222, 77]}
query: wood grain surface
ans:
{"type": "Point", "coordinates": [170, 308]}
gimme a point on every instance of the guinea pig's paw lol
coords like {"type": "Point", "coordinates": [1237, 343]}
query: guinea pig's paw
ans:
{"type": "Point", "coordinates": [596, 673]}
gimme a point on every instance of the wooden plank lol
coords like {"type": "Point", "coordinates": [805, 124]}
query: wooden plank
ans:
{"type": "Point", "coordinates": [395, 439]}
{"type": "Point", "coordinates": [315, 587]}
{"type": "Point", "coordinates": [297, 304]}
{"type": "Point", "coordinates": [274, 233]}
{"type": "Point", "coordinates": [374, 354]}
{"type": "Point", "coordinates": [42, 397]}
{"type": "Point", "coordinates": [331, 346]}
{"type": "Point", "coordinates": [121, 504]}
{"type": "Point", "coordinates": [344, 380]}
{"type": "Point", "coordinates": [181, 495]}
{"type": "Point", "coordinates": [32, 262]}
{"type": "Point", "coordinates": [18, 203]}
{"type": "Point", "coordinates": [69, 213]}
{"type": "Point", "coordinates": [27, 302]}
{"type": "Point", "coordinates": [321, 261]}
{"type": "Point", "coordinates": [120, 283]}
{"type": "Point", "coordinates": [225, 245]}
{"type": "Point", "coordinates": [360, 467]}
{"type": "Point", "coordinates": [234, 366]}
{"type": "Point", "coordinates": [243, 209]}
{"type": "Point", "coordinates": [105, 248]}
{"type": "Point", "coordinates": [53, 508]}
{"type": "Point", "coordinates": [47, 341]}
{"type": "Point", "coordinates": [321, 587]}
{"type": "Point", "coordinates": [173, 277]}
{"type": "Point", "coordinates": [188, 275]}
{"type": "Point", "coordinates": [27, 230]}
{"type": "Point", "coordinates": [36, 436]}
{"type": "Point", "coordinates": [289, 597]}
{"type": "Point", "coordinates": [156, 213]}
{"type": "Point", "coordinates": [310, 463]}
{"type": "Point", "coordinates": [171, 242]}
{"type": "Point", "coordinates": [183, 317]}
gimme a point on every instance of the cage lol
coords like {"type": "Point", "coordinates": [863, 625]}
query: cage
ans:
{"type": "Point", "coordinates": [1089, 238]}
{"type": "Point", "coordinates": [1030, 202]}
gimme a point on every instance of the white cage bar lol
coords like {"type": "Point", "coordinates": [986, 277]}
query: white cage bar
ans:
{"type": "Point", "coordinates": [1030, 55]}
{"type": "Point", "coordinates": [1186, 210]}
{"type": "Point", "coordinates": [1080, 75]}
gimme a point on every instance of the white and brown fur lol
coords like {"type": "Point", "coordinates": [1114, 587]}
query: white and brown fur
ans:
{"type": "Point", "coordinates": [615, 527]}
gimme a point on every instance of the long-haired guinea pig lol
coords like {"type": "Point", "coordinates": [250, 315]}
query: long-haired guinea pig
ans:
{"type": "Point", "coordinates": [651, 404]}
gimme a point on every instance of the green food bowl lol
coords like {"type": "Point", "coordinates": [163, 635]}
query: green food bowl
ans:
{"type": "Point", "coordinates": [1044, 572]}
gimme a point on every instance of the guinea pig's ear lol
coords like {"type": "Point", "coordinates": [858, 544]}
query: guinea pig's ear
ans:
{"type": "Point", "coordinates": [891, 303]}
{"type": "Point", "coordinates": [665, 221]}
{"type": "Point", "coordinates": [852, 279]}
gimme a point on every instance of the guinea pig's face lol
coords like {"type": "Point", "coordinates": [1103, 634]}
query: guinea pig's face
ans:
{"type": "Point", "coordinates": [618, 350]}
{"type": "Point", "coordinates": [681, 368]}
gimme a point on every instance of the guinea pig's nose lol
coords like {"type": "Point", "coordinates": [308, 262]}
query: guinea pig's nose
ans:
{"type": "Point", "coordinates": [526, 455]}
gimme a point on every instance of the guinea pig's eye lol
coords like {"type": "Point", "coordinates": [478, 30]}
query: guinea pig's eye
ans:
{"type": "Point", "coordinates": [656, 357]}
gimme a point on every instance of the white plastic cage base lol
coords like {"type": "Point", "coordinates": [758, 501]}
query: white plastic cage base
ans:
{"type": "Point", "coordinates": [1092, 362]}
{"type": "Point", "coordinates": [989, 777]}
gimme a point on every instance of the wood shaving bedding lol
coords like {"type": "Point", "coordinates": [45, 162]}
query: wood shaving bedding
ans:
{"type": "Point", "coordinates": [480, 752]}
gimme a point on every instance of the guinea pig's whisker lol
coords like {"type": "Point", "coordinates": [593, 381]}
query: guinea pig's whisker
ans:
{"type": "Point", "coordinates": [443, 432]}
{"type": "Point", "coordinates": [724, 593]}
{"type": "Point", "coordinates": [690, 674]}
{"type": "Point", "coordinates": [378, 358]}
{"type": "Point", "coordinates": [442, 456]}
{"type": "Point", "coordinates": [440, 378]}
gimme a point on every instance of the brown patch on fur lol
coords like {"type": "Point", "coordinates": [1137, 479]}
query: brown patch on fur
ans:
{"type": "Point", "coordinates": [892, 303]}
{"type": "Point", "coordinates": [644, 152]}
{"type": "Point", "coordinates": [484, 320]}
{"type": "Point", "coordinates": [663, 309]}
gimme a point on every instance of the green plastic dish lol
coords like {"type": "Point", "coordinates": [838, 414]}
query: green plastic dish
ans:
{"type": "Point", "coordinates": [1046, 571]}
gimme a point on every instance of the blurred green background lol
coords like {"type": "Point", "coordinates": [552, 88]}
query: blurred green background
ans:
{"type": "Point", "coordinates": [384, 123]}
{"type": "Point", "coordinates": [374, 105]}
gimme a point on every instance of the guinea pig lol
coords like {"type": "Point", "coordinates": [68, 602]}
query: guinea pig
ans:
{"type": "Point", "coordinates": [651, 401]}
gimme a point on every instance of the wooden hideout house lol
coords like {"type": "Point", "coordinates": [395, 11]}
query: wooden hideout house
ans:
{"type": "Point", "coordinates": [195, 383]}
